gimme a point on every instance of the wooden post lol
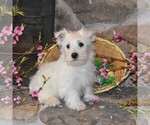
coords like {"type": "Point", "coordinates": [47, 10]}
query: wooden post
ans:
{"type": "Point", "coordinates": [48, 15]}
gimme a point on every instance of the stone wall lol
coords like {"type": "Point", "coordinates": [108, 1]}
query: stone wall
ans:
{"type": "Point", "coordinates": [73, 14]}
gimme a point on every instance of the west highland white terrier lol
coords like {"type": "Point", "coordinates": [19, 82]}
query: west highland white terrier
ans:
{"type": "Point", "coordinates": [72, 76]}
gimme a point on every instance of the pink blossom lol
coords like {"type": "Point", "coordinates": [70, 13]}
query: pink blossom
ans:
{"type": "Point", "coordinates": [104, 73]}
{"type": "Point", "coordinates": [17, 100]}
{"type": "Point", "coordinates": [144, 67]}
{"type": "Point", "coordinates": [134, 54]}
{"type": "Point", "coordinates": [5, 38]}
{"type": "Point", "coordinates": [17, 37]}
{"type": "Point", "coordinates": [34, 93]}
{"type": "Point", "coordinates": [2, 41]}
{"type": "Point", "coordinates": [8, 84]}
{"type": "Point", "coordinates": [19, 84]}
{"type": "Point", "coordinates": [6, 99]}
{"type": "Point", "coordinates": [14, 42]}
{"type": "Point", "coordinates": [1, 68]}
{"type": "Point", "coordinates": [18, 30]}
{"type": "Point", "coordinates": [15, 70]}
{"type": "Point", "coordinates": [18, 80]}
{"type": "Point", "coordinates": [146, 54]}
{"type": "Point", "coordinates": [102, 70]}
{"type": "Point", "coordinates": [7, 81]}
{"type": "Point", "coordinates": [117, 36]}
{"type": "Point", "coordinates": [4, 72]}
{"type": "Point", "coordinates": [133, 67]}
{"type": "Point", "coordinates": [106, 76]}
{"type": "Point", "coordinates": [41, 55]}
{"type": "Point", "coordinates": [105, 62]}
{"type": "Point", "coordinates": [6, 31]}
{"type": "Point", "coordinates": [146, 57]}
{"type": "Point", "coordinates": [39, 47]}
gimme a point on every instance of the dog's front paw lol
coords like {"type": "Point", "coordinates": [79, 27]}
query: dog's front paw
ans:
{"type": "Point", "coordinates": [51, 102]}
{"type": "Point", "coordinates": [89, 98]}
{"type": "Point", "coordinates": [77, 105]}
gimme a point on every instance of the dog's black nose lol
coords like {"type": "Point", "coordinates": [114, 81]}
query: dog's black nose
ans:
{"type": "Point", "coordinates": [74, 55]}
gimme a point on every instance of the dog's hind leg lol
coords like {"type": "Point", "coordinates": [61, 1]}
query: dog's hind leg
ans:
{"type": "Point", "coordinates": [46, 97]}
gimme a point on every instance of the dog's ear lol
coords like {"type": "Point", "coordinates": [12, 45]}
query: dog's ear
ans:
{"type": "Point", "coordinates": [60, 35]}
{"type": "Point", "coordinates": [88, 34]}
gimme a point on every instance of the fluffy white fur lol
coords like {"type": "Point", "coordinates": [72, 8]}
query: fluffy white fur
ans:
{"type": "Point", "coordinates": [70, 79]}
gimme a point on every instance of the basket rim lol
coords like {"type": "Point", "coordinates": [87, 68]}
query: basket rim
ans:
{"type": "Point", "coordinates": [107, 87]}
{"type": "Point", "coordinates": [126, 71]}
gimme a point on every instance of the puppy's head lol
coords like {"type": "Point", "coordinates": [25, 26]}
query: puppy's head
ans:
{"type": "Point", "coordinates": [76, 46]}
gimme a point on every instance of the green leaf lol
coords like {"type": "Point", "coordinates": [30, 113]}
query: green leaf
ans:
{"type": "Point", "coordinates": [26, 75]}
{"type": "Point", "coordinates": [109, 66]}
{"type": "Point", "coordinates": [132, 49]}
{"type": "Point", "coordinates": [40, 36]}
{"type": "Point", "coordinates": [24, 59]}
{"type": "Point", "coordinates": [44, 77]}
{"type": "Point", "coordinates": [30, 51]}
{"type": "Point", "coordinates": [24, 99]}
{"type": "Point", "coordinates": [98, 63]}
{"type": "Point", "coordinates": [132, 111]}
{"type": "Point", "coordinates": [8, 12]}
{"type": "Point", "coordinates": [108, 81]}
{"type": "Point", "coordinates": [20, 13]}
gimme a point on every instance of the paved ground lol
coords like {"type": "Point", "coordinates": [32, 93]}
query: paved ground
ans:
{"type": "Point", "coordinates": [106, 112]}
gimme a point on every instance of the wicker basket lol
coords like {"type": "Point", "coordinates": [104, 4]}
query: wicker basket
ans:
{"type": "Point", "coordinates": [103, 49]}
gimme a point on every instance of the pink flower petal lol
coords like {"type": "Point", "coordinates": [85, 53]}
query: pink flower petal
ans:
{"type": "Point", "coordinates": [105, 61]}
{"type": "Point", "coordinates": [2, 99]}
{"type": "Point", "coordinates": [41, 55]}
{"type": "Point", "coordinates": [18, 80]}
{"type": "Point", "coordinates": [34, 94]}
{"type": "Point", "coordinates": [5, 38]}
{"type": "Point", "coordinates": [17, 38]}
{"type": "Point", "coordinates": [133, 67]}
{"type": "Point", "coordinates": [14, 42]}
{"type": "Point", "coordinates": [18, 30]}
{"type": "Point", "coordinates": [117, 36]}
{"type": "Point", "coordinates": [7, 80]}
{"type": "Point", "coordinates": [2, 42]}
{"type": "Point", "coordinates": [7, 30]}
{"type": "Point", "coordinates": [19, 85]}
{"type": "Point", "coordinates": [39, 47]}
{"type": "Point", "coordinates": [1, 34]}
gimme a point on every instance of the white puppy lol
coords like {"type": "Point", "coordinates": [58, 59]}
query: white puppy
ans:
{"type": "Point", "coordinates": [72, 75]}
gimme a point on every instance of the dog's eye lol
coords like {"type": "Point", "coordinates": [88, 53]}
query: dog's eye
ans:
{"type": "Point", "coordinates": [68, 46]}
{"type": "Point", "coordinates": [81, 44]}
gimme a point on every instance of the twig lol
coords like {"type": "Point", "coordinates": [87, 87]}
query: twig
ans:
{"type": "Point", "coordinates": [29, 70]}
{"type": "Point", "coordinates": [20, 91]}
{"type": "Point", "coordinates": [16, 53]}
